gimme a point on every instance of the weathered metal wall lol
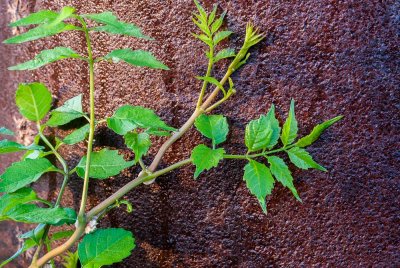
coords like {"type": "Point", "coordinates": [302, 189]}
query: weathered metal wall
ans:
{"type": "Point", "coordinates": [332, 57]}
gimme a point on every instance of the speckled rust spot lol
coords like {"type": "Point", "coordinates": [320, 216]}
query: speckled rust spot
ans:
{"type": "Point", "coordinates": [332, 57]}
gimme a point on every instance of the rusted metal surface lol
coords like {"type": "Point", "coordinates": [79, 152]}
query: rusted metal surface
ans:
{"type": "Point", "coordinates": [332, 57]}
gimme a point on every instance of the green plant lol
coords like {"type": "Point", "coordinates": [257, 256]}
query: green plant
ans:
{"type": "Point", "coordinates": [136, 124]}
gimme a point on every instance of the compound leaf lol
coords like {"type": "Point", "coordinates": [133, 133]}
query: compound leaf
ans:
{"type": "Point", "coordinates": [104, 164]}
{"type": "Point", "coordinates": [129, 117]}
{"type": "Point", "coordinates": [7, 146]}
{"type": "Point", "coordinates": [289, 131]}
{"type": "Point", "coordinates": [214, 127]}
{"type": "Point", "coordinates": [42, 16]}
{"type": "Point", "coordinates": [139, 58]}
{"type": "Point", "coordinates": [33, 100]}
{"type": "Point", "coordinates": [77, 135]}
{"type": "Point", "coordinates": [282, 173]}
{"type": "Point", "coordinates": [316, 132]}
{"type": "Point", "coordinates": [105, 247]}
{"type": "Point", "coordinates": [24, 172]}
{"type": "Point", "coordinates": [259, 181]}
{"type": "Point", "coordinates": [114, 26]}
{"type": "Point", "coordinates": [46, 57]}
{"type": "Point", "coordinates": [139, 143]}
{"type": "Point", "coordinates": [70, 110]}
{"type": "Point", "coordinates": [6, 131]}
{"type": "Point", "coordinates": [224, 53]}
{"type": "Point", "coordinates": [205, 158]}
{"type": "Point", "coordinates": [302, 159]}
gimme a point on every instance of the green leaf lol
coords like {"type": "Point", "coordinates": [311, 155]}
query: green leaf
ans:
{"type": "Point", "coordinates": [61, 235]}
{"type": "Point", "coordinates": [240, 64]}
{"type": "Point", "coordinates": [302, 159]}
{"type": "Point", "coordinates": [42, 16]}
{"type": "Point", "coordinates": [104, 164]}
{"type": "Point", "coordinates": [204, 38]}
{"type": "Point", "coordinates": [30, 213]}
{"type": "Point", "coordinates": [202, 12]}
{"type": "Point", "coordinates": [221, 36]}
{"type": "Point", "coordinates": [202, 25]}
{"type": "Point", "coordinates": [35, 234]}
{"type": "Point", "coordinates": [205, 158]}
{"type": "Point", "coordinates": [218, 23]}
{"type": "Point", "coordinates": [70, 110]}
{"type": "Point", "coordinates": [24, 172]}
{"type": "Point", "coordinates": [139, 143]}
{"type": "Point", "coordinates": [65, 13]}
{"type": "Point", "coordinates": [46, 57]}
{"type": "Point", "coordinates": [26, 245]}
{"type": "Point", "coordinates": [128, 118]}
{"type": "Point", "coordinates": [129, 207]}
{"type": "Point", "coordinates": [259, 181]}
{"type": "Point", "coordinates": [105, 247]}
{"type": "Point", "coordinates": [262, 133]}
{"type": "Point", "coordinates": [257, 134]}
{"type": "Point", "coordinates": [139, 58]}
{"type": "Point", "coordinates": [289, 131]}
{"type": "Point", "coordinates": [212, 15]}
{"type": "Point", "coordinates": [211, 80]}
{"type": "Point", "coordinates": [224, 53]}
{"type": "Point", "coordinates": [6, 131]}
{"type": "Point", "coordinates": [10, 200]}
{"type": "Point", "coordinates": [273, 125]}
{"type": "Point", "coordinates": [316, 132]}
{"type": "Point", "coordinates": [282, 173]}
{"type": "Point", "coordinates": [214, 127]}
{"type": "Point", "coordinates": [77, 135]}
{"type": "Point", "coordinates": [160, 133]}
{"type": "Point", "coordinates": [7, 146]}
{"type": "Point", "coordinates": [43, 30]}
{"type": "Point", "coordinates": [70, 259]}
{"type": "Point", "coordinates": [33, 100]}
{"type": "Point", "coordinates": [114, 26]}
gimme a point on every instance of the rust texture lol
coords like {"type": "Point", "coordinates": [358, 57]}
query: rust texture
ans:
{"type": "Point", "coordinates": [332, 57]}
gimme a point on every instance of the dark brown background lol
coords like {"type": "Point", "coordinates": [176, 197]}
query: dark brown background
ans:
{"type": "Point", "coordinates": [332, 57]}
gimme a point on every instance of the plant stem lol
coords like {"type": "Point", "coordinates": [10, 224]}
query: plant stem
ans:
{"type": "Point", "coordinates": [143, 177]}
{"type": "Point", "coordinates": [61, 249]}
{"type": "Point", "coordinates": [209, 68]}
{"type": "Point", "coordinates": [249, 156]}
{"type": "Point", "coordinates": [60, 194]}
{"type": "Point", "coordinates": [132, 184]}
{"type": "Point", "coordinates": [81, 213]}
{"type": "Point", "coordinates": [101, 207]}
{"type": "Point", "coordinates": [153, 166]}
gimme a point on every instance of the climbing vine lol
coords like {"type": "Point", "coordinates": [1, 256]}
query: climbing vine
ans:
{"type": "Point", "coordinates": [265, 138]}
